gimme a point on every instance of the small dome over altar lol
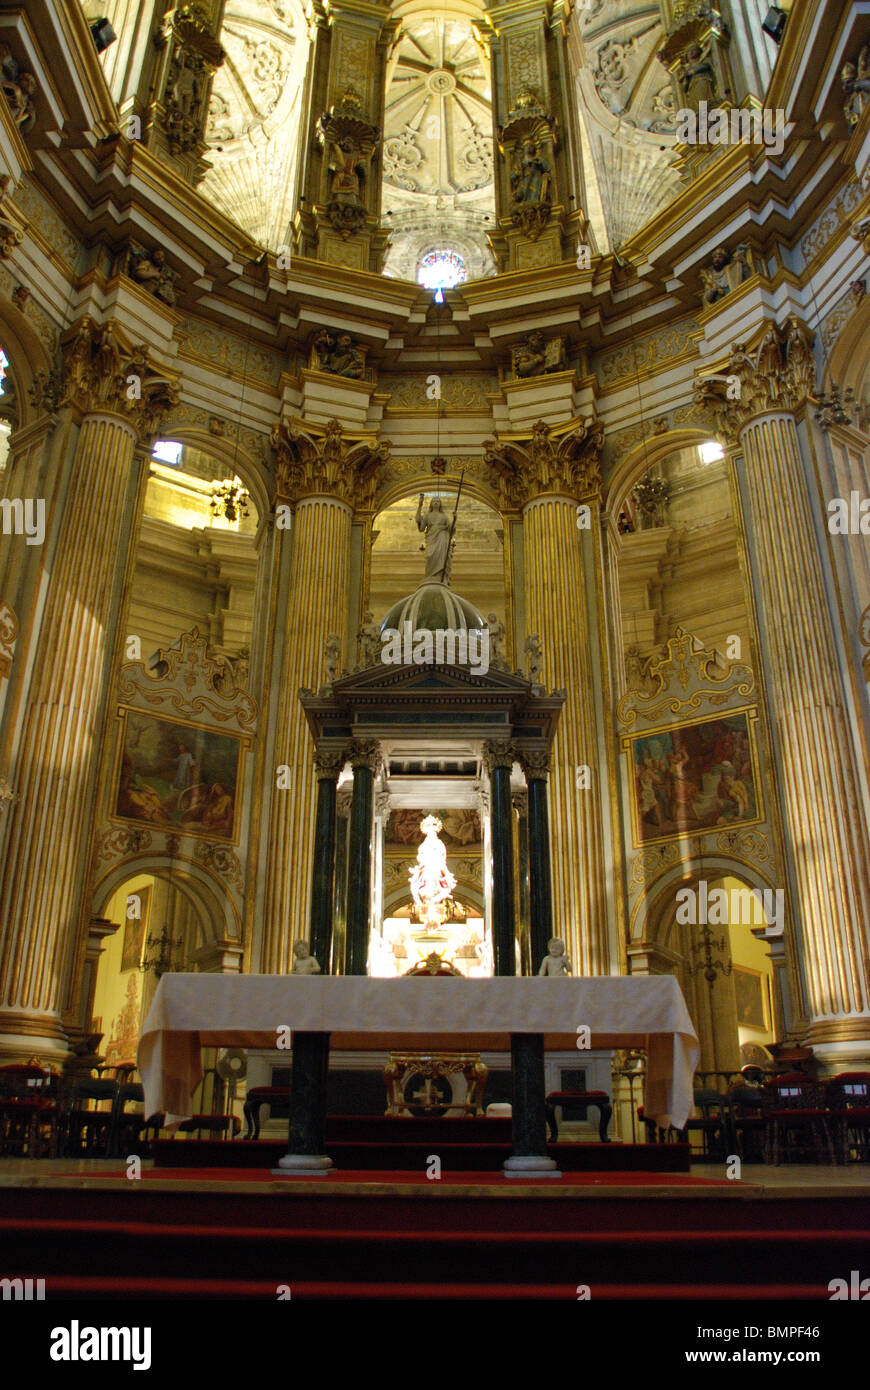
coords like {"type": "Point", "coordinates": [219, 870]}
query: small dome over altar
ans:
{"type": "Point", "coordinates": [434, 608]}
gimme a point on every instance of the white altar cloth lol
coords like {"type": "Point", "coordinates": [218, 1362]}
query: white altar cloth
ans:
{"type": "Point", "coordinates": [192, 1011]}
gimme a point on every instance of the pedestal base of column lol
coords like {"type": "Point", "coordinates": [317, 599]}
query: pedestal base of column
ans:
{"type": "Point", "coordinates": [530, 1166]}
{"type": "Point", "coordinates": [302, 1165]}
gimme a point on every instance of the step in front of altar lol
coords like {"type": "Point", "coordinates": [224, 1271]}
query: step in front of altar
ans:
{"type": "Point", "coordinates": [412, 1154]}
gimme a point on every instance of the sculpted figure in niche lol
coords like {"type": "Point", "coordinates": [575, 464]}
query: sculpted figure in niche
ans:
{"type": "Point", "coordinates": [336, 354]}
{"type": "Point", "coordinates": [530, 180]}
{"type": "Point", "coordinates": [348, 171]}
{"type": "Point", "coordinates": [19, 89]}
{"type": "Point", "coordinates": [436, 527]}
{"type": "Point", "coordinates": [725, 272]}
{"type": "Point", "coordinates": [697, 78]}
{"type": "Point", "coordinates": [149, 268]}
{"type": "Point", "coordinates": [855, 78]}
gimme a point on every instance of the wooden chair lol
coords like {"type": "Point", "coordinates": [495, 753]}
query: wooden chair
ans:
{"type": "Point", "coordinates": [848, 1096]}
{"type": "Point", "coordinates": [87, 1122]}
{"type": "Point", "coordinates": [28, 1111]}
{"type": "Point", "coordinates": [711, 1124]}
{"type": "Point", "coordinates": [257, 1097]}
{"type": "Point", "coordinates": [797, 1109]}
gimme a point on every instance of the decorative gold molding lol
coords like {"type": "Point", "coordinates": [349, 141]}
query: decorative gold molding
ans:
{"type": "Point", "coordinates": [683, 680]}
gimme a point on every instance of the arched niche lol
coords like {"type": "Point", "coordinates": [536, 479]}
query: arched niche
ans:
{"type": "Point", "coordinates": [742, 1004]}
{"type": "Point", "coordinates": [677, 561]}
{"type": "Point", "coordinates": [481, 563]}
{"type": "Point", "coordinates": [191, 568]}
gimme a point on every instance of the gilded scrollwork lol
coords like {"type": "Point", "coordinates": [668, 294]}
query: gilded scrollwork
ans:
{"type": "Point", "coordinates": [687, 678]}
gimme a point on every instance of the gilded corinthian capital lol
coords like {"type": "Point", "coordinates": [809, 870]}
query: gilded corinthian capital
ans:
{"type": "Point", "coordinates": [311, 461]}
{"type": "Point", "coordinates": [564, 461]}
{"type": "Point", "coordinates": [779, 374]}
{"type": "Point", "coordinates": [102, 373]}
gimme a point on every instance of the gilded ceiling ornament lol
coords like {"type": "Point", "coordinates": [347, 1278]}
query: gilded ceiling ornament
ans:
{"type": "Point", "coordinates": [310, 462]}
{"type": "Point", "coordinates": [567, 463]}
{"type": "Point", "coordinates": [779, 375]}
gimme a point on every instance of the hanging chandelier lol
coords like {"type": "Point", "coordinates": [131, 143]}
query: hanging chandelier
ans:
{"type": "Point", "coordinates": [230, 499]}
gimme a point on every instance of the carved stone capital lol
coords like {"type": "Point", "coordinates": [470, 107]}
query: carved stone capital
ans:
{"type": "Point", "coordinates": [778, 375]}
{"type": "Point", "coordinates": [12, 223]}
{"type": "Point", "coordinates": [520, 802]}
{"type": "Point", "coordinates": [499, 752]}
{"type": "Point", "coordinates": [328, 763]}
{"type": "Point", "coordinates": [365, 752]}
{"type": "Point", "coordinates": [311, 461]}
{"type": "Point", "coordinates": [536, 766]}
{"type": "Point", "coordinates": [565, 462]}
{"type": "Point", "coordinates": [101, 373]}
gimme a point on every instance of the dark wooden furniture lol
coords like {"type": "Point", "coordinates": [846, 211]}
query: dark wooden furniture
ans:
{"type": "Point", "coordinates": [28, 1110]}
{"type": "Point", "coordinates": [600, 1099]}
{"type": "Point", "coordinates": [798, 1119]}
{"type": "Point", "coordinates": [848, 1097]}
{"type": "Point", "coordinates": [257, 1097]}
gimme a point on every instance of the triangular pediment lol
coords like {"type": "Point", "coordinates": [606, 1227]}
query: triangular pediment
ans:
{"type": "Point", "coordinates": [418, 678]}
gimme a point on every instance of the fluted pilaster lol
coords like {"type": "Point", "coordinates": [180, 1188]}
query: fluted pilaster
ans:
{"type": "Point", "coordinates": [48, 834]}
{"type": "Point", "coordinates": [316, 607]}
{"type": "Point", "coordinates": [555, 594]}
{"type": "Point", "coordinates": [821, 790]}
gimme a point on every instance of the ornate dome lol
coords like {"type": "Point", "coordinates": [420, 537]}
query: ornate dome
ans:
{"type": "Point", "coordinates": [433, 608]}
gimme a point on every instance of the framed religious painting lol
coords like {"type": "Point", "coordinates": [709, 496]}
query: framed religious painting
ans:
{"type": "Point", "coordinates": [752, 993]}
{"type": "Point", "coordinates": [177, 776]}
{"type": "Point", "coordinates": [688, 778]}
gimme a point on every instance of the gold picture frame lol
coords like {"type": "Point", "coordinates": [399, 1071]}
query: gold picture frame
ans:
{"type": "Point", "coordinates": [696, 776]}
{"type": "Point", "coordinates": [178, 776]}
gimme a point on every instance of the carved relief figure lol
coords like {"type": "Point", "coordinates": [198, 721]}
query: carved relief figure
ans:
{"type": "Point", "coordinates": [19, 89]}
{"type": "Point", "coordinates": [336, 354]}
{"type": "Point", "coordinates": [697, 78]}
{"type": "Point", "coordinates": [725, 272]}
{"type": "Point", "coordinates": [149, 269]}
{"type": "Point", "coordinates": [855, 78]}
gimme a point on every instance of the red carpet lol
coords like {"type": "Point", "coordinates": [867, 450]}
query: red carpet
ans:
{"type": "Point", "coordinates": [399, 1236]}
{"type": "Point", "coordinates": [474, 1178]}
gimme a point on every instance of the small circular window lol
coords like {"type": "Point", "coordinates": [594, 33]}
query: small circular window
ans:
{"type": "Point", "coordinates": [441, 269]}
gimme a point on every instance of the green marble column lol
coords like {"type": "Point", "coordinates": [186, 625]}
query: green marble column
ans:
{"type": "Point", "coordinates": [499, 757]}
{"type": "Point", "coordinates": [327, 766]}
{"type": "Point", "coordinates": [365, 759]}
{"type": "Point", "coordinates": [536, 767]}
{"type": "Point", "coordinates": [307, 1107]}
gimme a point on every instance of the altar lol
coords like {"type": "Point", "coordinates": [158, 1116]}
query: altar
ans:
{"type": "Point", "coordinates": [193, 1011]}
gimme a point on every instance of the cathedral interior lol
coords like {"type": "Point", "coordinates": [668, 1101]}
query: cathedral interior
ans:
{"type": "Point", "coordinates": [329, 329]}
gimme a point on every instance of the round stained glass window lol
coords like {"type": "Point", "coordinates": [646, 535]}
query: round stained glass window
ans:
{"type": "Point", "coordinates": [441, 269]}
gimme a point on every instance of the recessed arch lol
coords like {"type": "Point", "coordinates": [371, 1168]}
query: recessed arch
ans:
{"type": "Point", "coordinates": [217, 915]}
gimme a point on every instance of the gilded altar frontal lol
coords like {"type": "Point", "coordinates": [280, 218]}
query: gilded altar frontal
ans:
{"type": "Point", "coordinates": [435, 524]}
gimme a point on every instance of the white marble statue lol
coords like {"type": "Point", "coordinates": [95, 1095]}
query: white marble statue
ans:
{"type": "Point", "coordinates": [303, 961]}
{"type": "Point", "coordinates": [555, 962]}
{"type": "Point", "coordinates": [436, 526]}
